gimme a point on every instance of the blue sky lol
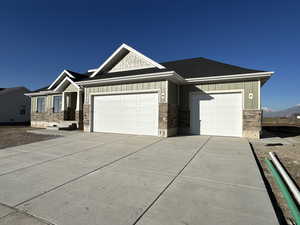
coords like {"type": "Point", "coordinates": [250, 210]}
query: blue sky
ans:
{"type": "Point", "coordinates": [38, 39]}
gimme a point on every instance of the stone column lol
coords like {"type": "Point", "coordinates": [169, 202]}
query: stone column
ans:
{"type": "Point", "coordinates": [168, 119]}
{"type": "Point", "coordinates": [86, 117]}
{"type": "Point", "coordinates": [252, 123]}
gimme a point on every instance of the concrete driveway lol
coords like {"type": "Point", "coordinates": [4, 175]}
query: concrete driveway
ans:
{"type": "Point", "coordinates": [111, 179]}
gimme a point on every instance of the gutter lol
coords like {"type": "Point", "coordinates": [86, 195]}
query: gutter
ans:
{"type": "Point", "coordinates": [169, 75]}
{"type": "Point", "coordinates": [231, 77]}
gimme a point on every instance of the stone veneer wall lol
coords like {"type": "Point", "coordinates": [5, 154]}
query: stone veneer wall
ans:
{"type": "Point", "coordinates": [44, 119]}
{"type": "Point", "coordinates": [252, 123]}
{"type": "Point", "coordinates": [86, 117]}
{"type": "Point", "coordinates": [49, 118]}
{"type": "Point", "coordinates": [79, 119]}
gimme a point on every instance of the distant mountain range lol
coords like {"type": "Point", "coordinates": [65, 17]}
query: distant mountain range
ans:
{"type": "Point", "coordinates": [282, 113]}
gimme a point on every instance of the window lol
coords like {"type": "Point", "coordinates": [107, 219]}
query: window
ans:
{"type": "Point", "coordinates": [57, 104]}
{"type": "Point", "coordinates": [40, 104]}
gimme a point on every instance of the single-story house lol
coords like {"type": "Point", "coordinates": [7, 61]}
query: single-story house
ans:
{"type": "Point", "coordinates": [133, 94]}
{"type": "Point", "coordinates": [15, 106]}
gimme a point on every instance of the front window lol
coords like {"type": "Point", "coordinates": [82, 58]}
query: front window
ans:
{"type": "Point", "coordinates": [57, 104]}
{"type": "Point", "coordinates": [40, 104]}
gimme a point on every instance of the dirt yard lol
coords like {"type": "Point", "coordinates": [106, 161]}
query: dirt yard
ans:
{"type": "Point", "coordinates": [17, 135]}
{"type": "Point", "coordinates": [289, 156]}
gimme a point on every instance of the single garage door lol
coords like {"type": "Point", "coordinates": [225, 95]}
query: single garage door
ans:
{"type": "Point", "coordinates": [217, 114]}
{"type": "Point", "coordinates": [126, 113]}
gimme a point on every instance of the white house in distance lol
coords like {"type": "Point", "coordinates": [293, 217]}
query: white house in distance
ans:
{"type": "Point", "coordinates": [15, 106]}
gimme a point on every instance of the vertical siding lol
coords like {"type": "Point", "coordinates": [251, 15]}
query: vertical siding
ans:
{"type": "Point", "coordinates": [247, 86]}
{"type": "Point", "coordinates": [155, 85]}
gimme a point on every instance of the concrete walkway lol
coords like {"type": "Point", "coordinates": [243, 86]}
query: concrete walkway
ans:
{"type": "Point", "coordinates": [125, 179]}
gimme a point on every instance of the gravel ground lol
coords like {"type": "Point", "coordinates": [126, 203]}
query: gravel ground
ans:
{"type": "Point", "coordinates": [289, 156]}
{"type": "Point", "coordinates": [18, 135]}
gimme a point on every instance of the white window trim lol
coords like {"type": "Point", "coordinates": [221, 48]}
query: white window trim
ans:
{"type": "Point", "coordinates": [128, 48]}
{"type": "Point", "coordinates": [43, 97]}
{"type": "Point", "coordinates": [53, 103]}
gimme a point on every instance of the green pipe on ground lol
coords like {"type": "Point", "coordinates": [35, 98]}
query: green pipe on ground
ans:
{"type": "Point", "coordinates": [291, 204]}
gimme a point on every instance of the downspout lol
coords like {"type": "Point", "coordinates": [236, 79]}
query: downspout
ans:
{"type": "Point", "coordinates": [291, 204]}
{"type": "Point", "coordinates": [286, 177]}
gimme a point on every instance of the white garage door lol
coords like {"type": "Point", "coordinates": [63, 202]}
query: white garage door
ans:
{"type": "Point", "coordinates": [126, 113]}
{"type": "Point", "coordinates": [217, 114]}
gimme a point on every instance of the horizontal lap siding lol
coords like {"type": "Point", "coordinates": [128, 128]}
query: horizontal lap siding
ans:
{"type": "Point", "coordinates": [160, 85]}
{"type": "Point", "coordinates": [247, 86]}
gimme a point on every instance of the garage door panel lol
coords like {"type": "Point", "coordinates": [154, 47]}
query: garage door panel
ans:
{"type": "Point", "coordinates": [128, 113]}
{"type": "Point", "coordinates": [217, 114]}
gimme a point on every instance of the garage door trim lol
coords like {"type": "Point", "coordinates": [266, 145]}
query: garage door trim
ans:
{"type": "Point", "coordinates": [92, 95]}
{"type": "Point", "coordinates": [242, 91]}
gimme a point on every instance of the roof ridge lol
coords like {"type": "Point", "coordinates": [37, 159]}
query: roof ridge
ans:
{"type": "Point", "coordinates": [177, 60]}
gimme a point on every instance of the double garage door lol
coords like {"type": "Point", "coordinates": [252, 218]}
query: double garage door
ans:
{"type": "Point", "coordinates": [126, 113]}
{"type": "Point", "coordinates": [216, 114]}
{"type": "Point", "coordinates": [211, 114]}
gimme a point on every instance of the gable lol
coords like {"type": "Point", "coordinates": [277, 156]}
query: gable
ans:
{"type": "Point", "coordinates": [126, 58]}
{"type": "Point", "coordinates": [63, 85]}
{"type": "Point", "coordinates": [60, 78]}
{"type": "Point", "coordinates": [131, 61]}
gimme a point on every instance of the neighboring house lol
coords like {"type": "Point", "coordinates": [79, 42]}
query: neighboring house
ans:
{"type": "Point", "coordinates": [15, 106]}
{"type": "Point", "coordinates": [131, 93]}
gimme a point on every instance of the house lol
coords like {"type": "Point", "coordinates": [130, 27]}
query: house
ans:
{"type": "Point", "coordinates": [15, 106]}
{"type": "Point", "coordinates": [133, 94]}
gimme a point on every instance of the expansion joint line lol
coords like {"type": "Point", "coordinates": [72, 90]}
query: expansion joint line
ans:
{"type": "Point", "coordinates": [172, 181]}
{"type": "Point", "coordinates": [90, 172]}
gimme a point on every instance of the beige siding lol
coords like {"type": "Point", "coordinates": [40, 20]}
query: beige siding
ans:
{"type": "Point", "coordinates": [131, 62]}
{"type": "Point", "coordinates": [155, 85]}
{"type": "Point", "coordinates": [247, 86]}
{"type": "Point", "coordinates": [71, 88]}
{"type": "Point", "coordinates": [33, 104]}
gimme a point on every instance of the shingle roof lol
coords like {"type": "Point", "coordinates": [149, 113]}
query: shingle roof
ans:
{"type": "Point", "coordinates": [78, 76]}
{"type": "Point", "coordinates": [187, 68]}
{"type": "Point", "coordinates": [202, 67]}
{"type": "Point", "coordinates": [126, 73]}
